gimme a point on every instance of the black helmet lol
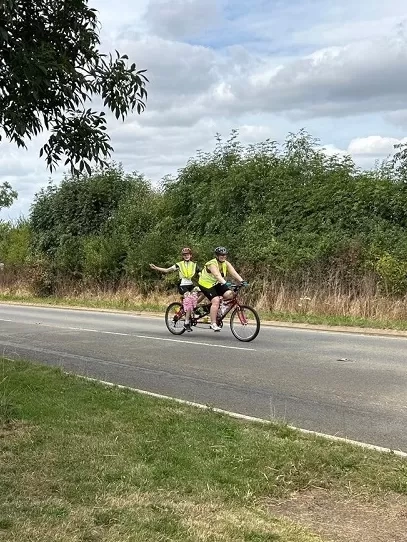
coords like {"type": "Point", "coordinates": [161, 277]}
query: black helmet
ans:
{"type": "Point", "coordinates": [221, 251]}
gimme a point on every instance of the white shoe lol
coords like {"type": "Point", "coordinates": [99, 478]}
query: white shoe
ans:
{"type": "Point", "coordinates": [215, 327]}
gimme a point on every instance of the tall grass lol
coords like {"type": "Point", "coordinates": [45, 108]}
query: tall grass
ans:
{"type": "Point", "coordinates": [331, 298]}
{"type": "Point", "coordinates": [330, 295]}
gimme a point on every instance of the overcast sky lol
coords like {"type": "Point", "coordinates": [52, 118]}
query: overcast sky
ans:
{"type": "Point", "coordinates": [265, 67]}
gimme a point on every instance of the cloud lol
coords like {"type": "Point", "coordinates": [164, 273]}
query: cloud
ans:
{"type": "Point", "coordinates": [176, 70]}
{"type": "Point", "coordinates": [398, 118]}
{"type": "Point", "coordinates": [177, 19]}
{"type": "Point", "coordinates": [366, 151]}
{"type": "Point", "coordinates": [374, 145]}
{"type": "Point", "coordinates": [360, 77]}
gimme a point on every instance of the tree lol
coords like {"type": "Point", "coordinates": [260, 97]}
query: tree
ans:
{"type": "Point", "coordinates": [80, 205]}
{"type": "Point", "coordinates": [7, 195]}
{"type": "Point", "coordinates": [50, 67]}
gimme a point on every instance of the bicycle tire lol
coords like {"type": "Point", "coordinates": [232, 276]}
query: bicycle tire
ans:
{"type": "Point", "coordinates": [237, 326]}
{"type": "Point", "coordinates": [171, 323]}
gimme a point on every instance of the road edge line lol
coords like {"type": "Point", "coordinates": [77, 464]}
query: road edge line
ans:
{"type": "Point", "coordinates": [246, 417]}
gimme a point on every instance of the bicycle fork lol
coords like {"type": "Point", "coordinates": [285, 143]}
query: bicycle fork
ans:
{"type": "Point", "coordinates": [242, 316]}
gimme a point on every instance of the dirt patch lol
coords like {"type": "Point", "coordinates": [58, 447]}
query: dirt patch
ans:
{"type": "Point", "coordinates": [13, 429]}
{"type": "Point", "coordinates": [343, 518]}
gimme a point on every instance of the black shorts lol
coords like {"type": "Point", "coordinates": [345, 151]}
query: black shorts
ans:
{"type": "Point", "coordinates": [185, 288]}
{"type": "Point", "coordinates": [215, 291]}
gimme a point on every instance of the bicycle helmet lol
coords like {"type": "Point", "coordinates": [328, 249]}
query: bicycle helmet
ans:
{"type": "Point", "coordinates": [186, 250]}
{"type": "Point", "coordinates": [221, 251]}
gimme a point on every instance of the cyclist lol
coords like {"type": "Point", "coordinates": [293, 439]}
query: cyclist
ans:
{"type": "Point", "coordinates": [212, 282]}
{"type": "Point", "coordinates": [187, 270]}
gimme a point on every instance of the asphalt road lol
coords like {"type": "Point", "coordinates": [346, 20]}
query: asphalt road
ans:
{"type": "Point", "coordinates": [343, 384]}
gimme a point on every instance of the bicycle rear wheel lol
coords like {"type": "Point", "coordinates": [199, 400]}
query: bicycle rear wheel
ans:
{"type": "Point", "coordinates": [244, 323]}
{"type": "Point", "coordinates": [175, 318]}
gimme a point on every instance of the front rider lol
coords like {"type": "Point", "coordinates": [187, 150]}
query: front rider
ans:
{"type": "Point", "coordinates": [213, 283]}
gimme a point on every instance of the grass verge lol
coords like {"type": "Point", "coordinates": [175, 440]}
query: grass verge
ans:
{"type": "Point", "coordinates": [82, 462]}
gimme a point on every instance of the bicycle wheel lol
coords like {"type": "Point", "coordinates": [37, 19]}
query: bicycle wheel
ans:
{"type": "Point", "coordinates": [175, 318]}
{"type": "Point", "coordinates": [244, 323]}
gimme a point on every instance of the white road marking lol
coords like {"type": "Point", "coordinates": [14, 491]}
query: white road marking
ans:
{"type": "Point", "coordinates": [71, 328]}
{"type": "Point", "coordinates": [195, 342]}
{"type": "Point", "coordinates": [248, 418]}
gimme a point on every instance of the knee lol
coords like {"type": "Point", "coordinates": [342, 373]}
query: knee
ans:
{"type": "Point", "coordinates": [215, 302]}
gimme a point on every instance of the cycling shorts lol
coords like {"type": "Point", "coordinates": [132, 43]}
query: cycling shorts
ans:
{"type": "Point", "coordinates": [215, 291]}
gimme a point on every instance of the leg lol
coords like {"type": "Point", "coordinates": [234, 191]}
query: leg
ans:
{"type": "Point", "coordinates": [201, 297]}
{"type": "Point", "coordinates": [213, 296]}
{"type": "Point", "coordinates": [214, 309]}
{"type": "Point", "coordinates": [187, 313]}
{"type": "Point", "coordinates": [224, 292]}
{"type": "Point", "coordinates": [185, 292]}
{"type": "Point", "coordinates": [228, 295]}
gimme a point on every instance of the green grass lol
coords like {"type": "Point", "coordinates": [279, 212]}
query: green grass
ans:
{"type": "Point", "coordinates": [338, 321]}
{"type": "Point", "coordinates": [146, 306]}
{"type": "Point", "coordinates": [92, 303]}
{"type": "Point", "coordinates": [83, 462]}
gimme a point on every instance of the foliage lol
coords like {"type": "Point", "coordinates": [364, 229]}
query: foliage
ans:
{"type": "Point", "coordinates": [90, 225]}
{"type": "Point", "coordinates": [286, 211]}
{"type": "Point", "coordinates": [15, 240]}
{"type": "Point", "coordinates": [7, 194]}
{"type": "Point", "coordinates": [78, 207]}
{"type": "Point", "coordinates": [392, 273]}
{"type": "Point", "coordinates": [50, 66]}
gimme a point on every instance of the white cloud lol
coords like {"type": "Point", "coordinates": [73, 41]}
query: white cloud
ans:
{"type": "Point", "coordinates": [363, 76]}
{"type": "Point", "coordinates": [332, 150]}
{"type": "Point", "coordinates": [374, 145]}
{"type": "Point", "coordinates": [366, 151]}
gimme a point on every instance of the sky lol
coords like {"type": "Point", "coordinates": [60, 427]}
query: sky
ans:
{"type": "Point", "coordinates": [264, 67]}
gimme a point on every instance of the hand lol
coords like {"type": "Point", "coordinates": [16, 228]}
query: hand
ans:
{"type": "Point", "coordinates": [153, 266]}
{"type": "Point", "coordinates": [244, 283]}
{"type": "Point", "coordinates": [228, 283]}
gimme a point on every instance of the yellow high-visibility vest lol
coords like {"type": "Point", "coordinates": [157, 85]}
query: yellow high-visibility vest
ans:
{"type": "Point", "coordinates": [186, 269]}
{"type": "Point", "coordinates": [207, 280]}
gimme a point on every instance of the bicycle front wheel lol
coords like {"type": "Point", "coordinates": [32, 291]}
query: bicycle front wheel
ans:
{"type": "Point", "coordinates": [245, 323]}
{"type": "Point", "coordinates": [175, 318]}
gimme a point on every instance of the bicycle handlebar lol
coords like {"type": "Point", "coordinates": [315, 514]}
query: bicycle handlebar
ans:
{"type": "Point", "coordinates": [234, 286]}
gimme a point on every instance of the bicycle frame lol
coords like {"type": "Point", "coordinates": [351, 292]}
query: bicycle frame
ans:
{"type": "Point", "coordinates": [244, 320]}
{"type": "Point", "coordinates": [231, 304]}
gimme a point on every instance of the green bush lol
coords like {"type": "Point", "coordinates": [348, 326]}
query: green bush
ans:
{"type": "Point", "coordinates": [287, 211]}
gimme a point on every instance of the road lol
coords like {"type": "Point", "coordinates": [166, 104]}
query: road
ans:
{"type": "Point", "coordinates": [345, 384]}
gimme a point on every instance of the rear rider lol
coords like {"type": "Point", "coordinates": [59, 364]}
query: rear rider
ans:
{"type": "Point", "coordinates": [187, 270]}
{"type": "Point", "coordinates": [213, 283]}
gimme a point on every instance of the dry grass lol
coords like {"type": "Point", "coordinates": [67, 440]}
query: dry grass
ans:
{"type": "Point", "coordinates": [330, 299]}
{"type": "Point", "coordinates": [324, 298]}
{"type": "Point", "coordinates": [345, 517]}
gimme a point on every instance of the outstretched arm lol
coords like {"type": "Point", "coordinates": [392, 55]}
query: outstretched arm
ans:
{"type": "Point", "coordinates": [163, 269]}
